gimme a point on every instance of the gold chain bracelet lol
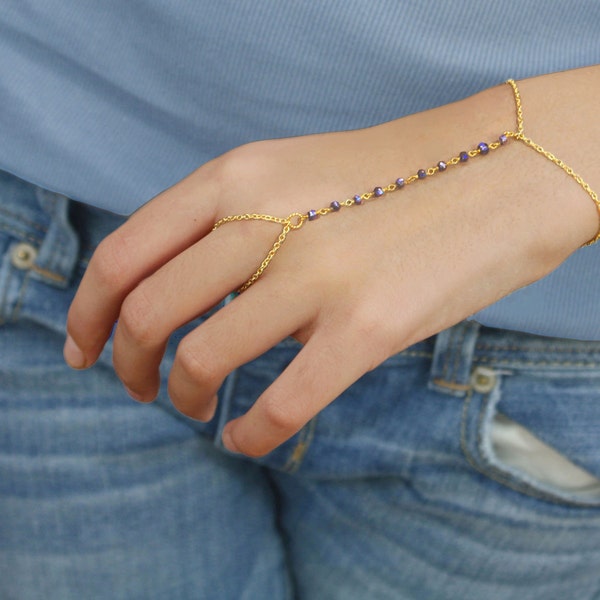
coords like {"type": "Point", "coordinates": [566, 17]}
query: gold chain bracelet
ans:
{"type": "Point", "coordinates": [296, 220]}
{"type": "Point", "coordinates": [520, 135]}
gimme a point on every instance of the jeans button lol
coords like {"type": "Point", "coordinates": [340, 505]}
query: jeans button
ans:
{"type": "Point", "coordinates": [23, 256]}
{"type": "Point", "coordinates": [483, 380]}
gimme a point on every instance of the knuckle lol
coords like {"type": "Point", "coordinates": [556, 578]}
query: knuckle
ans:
{"type": "Point", "coordinates": [232, 171]}
{"type": "Point", "coordinates": [372, 336]}
{"type": "Point", "coordinates": [237, 161]}
{"type": "Point", "coordinates": [367, 324]}
{"type": "Point", "coordinates": [109, 264]}
{"type": "Point", "coordinates": [279, 416]}
{"type": "Point", "coordinates": [139, 320]}
{"type": "Point", "coordinates": [226, 169]}
{"type": "Point", "coordinates": [198, 364]}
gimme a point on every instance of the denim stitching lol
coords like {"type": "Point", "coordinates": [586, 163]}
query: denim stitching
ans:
{"type": "Point", "coordinates": [496, 474]}
{"type": "Point", "coordinates": [416, 354]}
{"type": "Point", "coordinates": [297, 455]}
{"type": "Point", "coordinates": [18, 217]}
{"type": "Point", "coordinates": [458, 387]}
{"type": "Point", "coordinates": [556, 349]}
{"type": "Point", "coordinates": [57, 248]}
{"type": "Point", "coordinates": [447, 356]}
{"type": "Point", "coordinates": [453, 351]}
{"type": "Point", "coordinates": [457, 350]}
{"type": "Point", "coordinates": [20, 234]}
{"type": "Point", "coordinates": [534, 363]}
{"type": "Point", "coordinates": [17, 308]}
{"type": "Point", "coordinates": [46, 273]}
{"type": "Point", "coordinates": [3, 301]}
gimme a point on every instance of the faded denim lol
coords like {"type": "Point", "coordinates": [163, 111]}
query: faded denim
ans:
{"type": "Point", "coordinates": [394, 492]}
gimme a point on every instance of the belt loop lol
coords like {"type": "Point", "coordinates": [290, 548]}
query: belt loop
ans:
{"type": "Point", "coordinates": [453, 357]}
{"type": "Point", "coordinates": [59, 252]}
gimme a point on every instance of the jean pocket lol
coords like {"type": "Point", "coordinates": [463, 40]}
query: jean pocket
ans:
{"type": "Point", "coordinates": [536, 433]}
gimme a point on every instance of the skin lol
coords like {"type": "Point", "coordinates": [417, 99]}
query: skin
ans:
{"type": "Point", "coordinates": [354, 287]}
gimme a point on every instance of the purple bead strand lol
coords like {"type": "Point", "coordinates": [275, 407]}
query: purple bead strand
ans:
{"type": "Point", "coordinates": [482, 149]}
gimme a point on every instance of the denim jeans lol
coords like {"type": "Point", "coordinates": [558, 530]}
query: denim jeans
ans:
{"type": "Point", "coordinates": [398, 490]}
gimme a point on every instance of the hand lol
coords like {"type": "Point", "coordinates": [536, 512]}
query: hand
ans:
{"type": "Point", "coordinates": [353, 287]}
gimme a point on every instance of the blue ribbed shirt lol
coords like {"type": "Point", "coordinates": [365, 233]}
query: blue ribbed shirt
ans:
{"type": "Point", "coordinates": [111, 102]}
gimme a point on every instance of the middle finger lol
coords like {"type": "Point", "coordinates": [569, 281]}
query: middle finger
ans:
{"type": "Point", "coordinates": [184, 288]}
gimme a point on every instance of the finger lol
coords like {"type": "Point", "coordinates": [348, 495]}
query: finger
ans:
{"type": "Point", "coordinates": [153, 235]}
{"type": "Point", "coordinates": [329, 363]}
{"type": "Point", "coordinates": [244, 329]}
{"type": "Point", "coordinates": [184, 288]}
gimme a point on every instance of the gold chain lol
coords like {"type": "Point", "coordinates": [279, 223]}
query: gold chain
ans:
{"type": "Point", "coordinates": [520, 135]}
{"type": "Point", "coordinates": [296, 220]}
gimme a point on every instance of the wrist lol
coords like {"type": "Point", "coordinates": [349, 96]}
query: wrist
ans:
{"type": "Point", "coordinates": [559, 200]}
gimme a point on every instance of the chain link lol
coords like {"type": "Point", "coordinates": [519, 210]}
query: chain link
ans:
{"type": "Point", "coordinates": [520, 135]}
{"type": "Point", "coordinates": [290, 223]}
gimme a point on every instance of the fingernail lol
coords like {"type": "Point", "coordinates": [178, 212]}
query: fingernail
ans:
{"type": "Point", "coordinates": [228, 442]}
{"type": "Point", "coordinates": [73, 354]}
{"type": "Point", "coordinates": [209, 410]}
{"type": "Point", "coordinates": [134, 395]}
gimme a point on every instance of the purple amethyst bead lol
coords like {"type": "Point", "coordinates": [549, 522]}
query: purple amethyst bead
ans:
{"type": "Point", "coordinates": [335, 205]}
{"type": "Point", "coordinates": [312, 215]}
{"type": "Point", "coordinates": [442, 166]}
{"type": "Point", "coordinates": [503, 139]}
{"type": "Point", "coordinates": [463, 156]}
{"type": "Point", "coordinates": [483, 148]}
{"type": "Point", "coordinates": [357, 199]}
{"type": "Point", "coordinates": [400, 182]}
{"type": "Point", "coordinates": [378, 192]}
{"type": "Point", "coordinates": [421, 173]}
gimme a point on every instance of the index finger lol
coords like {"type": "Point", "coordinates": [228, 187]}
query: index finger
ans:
{"type": "Point", "coordinates": [153, 235]}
